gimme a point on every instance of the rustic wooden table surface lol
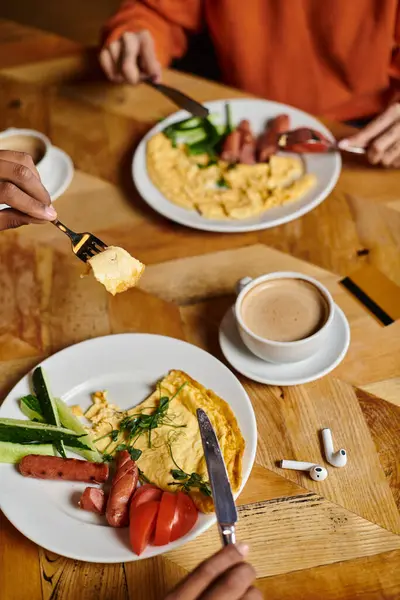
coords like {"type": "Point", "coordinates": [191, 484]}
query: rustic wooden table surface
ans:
{"type": "Point", "coordinates": [332, 540]}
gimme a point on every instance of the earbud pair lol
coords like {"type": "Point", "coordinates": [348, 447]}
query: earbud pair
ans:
{"type": "Point", "coordinates": [318, 473]}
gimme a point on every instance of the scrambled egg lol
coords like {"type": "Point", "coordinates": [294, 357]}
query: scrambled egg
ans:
{"type": "Point", "coordinates": [178, 437]}
{"type": "Point", "coordinates": [116, 269]}
{"type": "Point", "coordinates": [249, 191]}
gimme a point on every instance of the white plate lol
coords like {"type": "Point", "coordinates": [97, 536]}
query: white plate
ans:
{"type": "Point", "coordinates": [325, 166]}
{"type": "Point", "coordinates": [128, 366]}
{"type": "Point", "coordinates": [246, 363]}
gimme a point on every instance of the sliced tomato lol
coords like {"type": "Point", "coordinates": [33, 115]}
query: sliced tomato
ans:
{"type": "Point", "coordinates": [142, 525]}
{"type": "Point", "coordinates": [146, 493]}
{"type": "Point", "coordinates": [185, 516]}
{"type": "Point", "coordinates": [165, 519]}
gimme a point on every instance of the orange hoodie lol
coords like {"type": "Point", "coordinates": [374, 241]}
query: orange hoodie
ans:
{"type": "Point", "coordinates": [337, 58]}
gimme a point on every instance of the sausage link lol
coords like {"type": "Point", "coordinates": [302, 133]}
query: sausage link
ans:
{"type": "Point", "coordinates": [268, 142]}
{"type": "Point", "coordinates": [93, 500]}
{"type": "Point", "coordinates": [70, 469]}
{"type": "Point", "coordinates": [247, 152]}
{"type": "Point", "coordinates": [231, 147]}
{"type": "Point", "coordinates": [123, 485]}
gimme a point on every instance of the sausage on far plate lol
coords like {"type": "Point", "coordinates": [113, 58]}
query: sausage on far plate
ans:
{"type": "Point", "coordinates": [268, 141]}
{"type": "Point", "coordinates": [123, 485]}
{"type": "Point", "coordinates": [247, 152]}
{"type": "Point", "coordinates": [69, 469]}
{"type": "Point", "coordinates": [231, 147]}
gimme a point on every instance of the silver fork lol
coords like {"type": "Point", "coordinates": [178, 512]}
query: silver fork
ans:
{"type": "Point", "coordinates": [84, 245]}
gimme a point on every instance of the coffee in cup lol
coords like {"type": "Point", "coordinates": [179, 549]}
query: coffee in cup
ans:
{"type": "Point", "coordinates": [25, 143]}
{"type": "Point", "coordinates": [284, 310]}
{"type": "Point", "coordinates": [283, 317]}
{"type": "Point", "coordinates": [26, 140]}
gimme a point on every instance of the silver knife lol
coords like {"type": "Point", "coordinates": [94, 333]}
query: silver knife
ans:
{"type": "Point", "coordinates": [224, 503]}
{"type": "Point", "coordinates": [180, 99]}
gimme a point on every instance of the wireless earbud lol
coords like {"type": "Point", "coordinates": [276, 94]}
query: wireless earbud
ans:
{"type": "Point", "coordinates": [336, 459]}
{"type": "Point", "coordinates": [317, 473]}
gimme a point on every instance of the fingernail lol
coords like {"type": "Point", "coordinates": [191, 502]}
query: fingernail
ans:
{"type": "Point", "coordinates": [50, 213]}
{"type": "Point", "coordinates": [243, 549]}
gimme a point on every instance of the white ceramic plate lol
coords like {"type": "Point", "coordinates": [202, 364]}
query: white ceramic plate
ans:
{"type": "Point", "coordinates": [325, 166]}
{"type": "Point", "coordinates": [128, 366]}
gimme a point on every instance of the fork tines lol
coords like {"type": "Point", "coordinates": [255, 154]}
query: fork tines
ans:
{"type": "Point", "coordinates": [88, 246]}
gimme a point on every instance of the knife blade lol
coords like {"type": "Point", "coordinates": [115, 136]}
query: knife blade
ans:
{"type": "Point", "coordinates": [180, 99]}
{"type": "Point", "coordinates": [224, 504]}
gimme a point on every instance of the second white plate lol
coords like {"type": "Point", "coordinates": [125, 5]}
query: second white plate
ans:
{"type": "Point", "coordinates": [326, 167]}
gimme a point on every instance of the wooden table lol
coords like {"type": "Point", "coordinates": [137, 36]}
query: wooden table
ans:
{"type": "Point", "coordinates": [332, 540]}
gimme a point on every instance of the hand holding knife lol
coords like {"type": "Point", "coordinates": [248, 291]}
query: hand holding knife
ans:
{"type": "Point", "coordinates": [224, 503]}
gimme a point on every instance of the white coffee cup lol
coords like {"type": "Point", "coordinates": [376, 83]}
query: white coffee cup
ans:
{"type": "Point", "coordinates": [276, 351]}
{"type": "Point", "coordinates": [25, 140]}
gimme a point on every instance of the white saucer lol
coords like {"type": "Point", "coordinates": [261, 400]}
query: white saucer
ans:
{"type": "Point", "coordinates": [57, 172]}
{"type": "Point", "coordinates": [237, 354]}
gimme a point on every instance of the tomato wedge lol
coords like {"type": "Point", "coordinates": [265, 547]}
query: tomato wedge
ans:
{"type": "Point", "coordinates": [185, 516]}
{"type": "Point", "coordinates": [142, 524]}
{"type": "Point", "coordinates": [146, 493]}
{"type": "Point", "coordinates": [165, 519]}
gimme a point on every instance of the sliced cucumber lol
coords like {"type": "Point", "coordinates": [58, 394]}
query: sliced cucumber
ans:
{"type": "Point", "coordinates": [30, 406]}
{"type": "Point", "coordinates": [228, 119]}
{"type": "Point", "coordinates": [20, 431]}
{"type": "Point", "coordinates": [70, 421]}
{"type": "Point", "coordinates": [12, 453]}
{"type": "Point", "coordinates": [47, 404]}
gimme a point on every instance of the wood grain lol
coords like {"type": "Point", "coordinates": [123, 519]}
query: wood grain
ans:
{"type": "Point", "coordinates": [289, 420]}
{"type": "Point", "coordinates": [19, 564]}
{"type": "Point", "coordinates": [384, 423]}
{"type": "Point", "coordinates": [63, 578]}
{"type": "Point", "coordinates": [277, 529]}
{"type": "Point", "coordinates": [369, 578]}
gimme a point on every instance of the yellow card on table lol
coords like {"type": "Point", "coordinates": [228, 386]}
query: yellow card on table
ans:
{"type": "Point", "coordinates": [376, 292]}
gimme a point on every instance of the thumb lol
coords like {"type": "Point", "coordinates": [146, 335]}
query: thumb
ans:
{"type": "Point", "coordinates": [11, 219]}
{"type": "Point", "coordinates": [375, 127]}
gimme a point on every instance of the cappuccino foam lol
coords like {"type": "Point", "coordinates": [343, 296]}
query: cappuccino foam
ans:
{"type": "Point", "coordinates": [284, 310]}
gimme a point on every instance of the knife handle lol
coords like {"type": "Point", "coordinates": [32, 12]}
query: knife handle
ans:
{"type": "Point", "coordinates": [228, 534]}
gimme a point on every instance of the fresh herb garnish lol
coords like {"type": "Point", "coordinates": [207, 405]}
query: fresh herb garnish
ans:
{"type": "Point", "coordinates": [107, 457]}
{"type": "Point", "coordinates": [221, 183]}
{"type": "Point", "coordinates": [140, 423]}
{"type": "Point", "coordinates": [135, 453]}
{"type": "Point", "coordinates": [187, 481]}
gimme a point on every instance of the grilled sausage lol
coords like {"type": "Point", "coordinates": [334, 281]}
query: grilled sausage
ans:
{"type": "Point", "coordinates": [123, 485]}
{"type": "Point", "coordinates": [247, 152]}
{"type": "Point", "coordinates": [70, 469]}
{"type": "Point", "coordinates": [231, 147]}
{"type": "Point", "coordinates": [93, 500]}
{"type": "Point", "coordinates": [268, 142]}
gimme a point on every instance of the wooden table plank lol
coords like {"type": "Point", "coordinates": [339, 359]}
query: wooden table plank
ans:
{"type": "Point", "coordinates": [19, 564]}
{"type": "Point", "coordinates": [23, 44]}
{"type": "Point", "coordinates": [370, 578]}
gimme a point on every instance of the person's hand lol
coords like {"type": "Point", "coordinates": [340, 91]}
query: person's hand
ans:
{"type": "Point", "coordinates": [381, 138]}
{"type": "Point", "coordinates": [224, 576]}
{"type": "Point", "coordinates": [22, 190]}
{"type": "Point", "coordinates": [132, 58]}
